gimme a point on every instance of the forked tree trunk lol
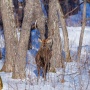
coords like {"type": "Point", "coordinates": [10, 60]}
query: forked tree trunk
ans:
{"type": "Point", "coordinates": [10, 34]}
{"type": "Point", "coordinates": [38, 16]}
{"type": "Point", "coordinates": [20, 63]}
{"type": "Point", "coordinates": [16, 51]}
{"type": "Point", "coordinates": [82, 31]}
{"type": "Point", "coordinates": [53, 26]}
{"type": "Point", "coordinates": [65, 33]}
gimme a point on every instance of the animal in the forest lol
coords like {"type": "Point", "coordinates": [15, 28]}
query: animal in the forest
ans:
{"type": "Point", "coordinates": [43, 56]}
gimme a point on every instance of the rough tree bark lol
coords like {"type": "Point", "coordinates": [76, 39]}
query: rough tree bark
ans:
{"type": "Point", "coordinates": [20, 63]}
{"type": "Point", "coordinates": [39, 16]}
{"type": "Point", "coordinates": [16, 51]}
{"type": "Point", "coordinates": [82, 31]}
{"type": "Point", "coordinates": [10, 34]}
{"type": "Point", "coordinates": [53, 27]}
{"type": "Point", "coordinates": [65, 33]}
{"type": "Point", "coordinates": [0, 14]}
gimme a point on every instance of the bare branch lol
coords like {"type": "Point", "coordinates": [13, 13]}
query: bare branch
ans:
{"type": "Point", "coordinates": [73, 10]}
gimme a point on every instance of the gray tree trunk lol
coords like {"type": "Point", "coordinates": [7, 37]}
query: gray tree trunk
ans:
{"type": "Point", "coordinates": [0, 13]}
{"type": "Point", "coordinates": [16, 51]}
{"type": "Point", "coordinates": [9, 31]}
{"type": "Point", "coordinates": [20, 63]}
{"type": "Point", "coordinates": [39, 16]}
{"type": "Point", "coordinates": [56, 60]}
{"type": "Point", "coordinates": [82, 31]}
{"type": "Point", "coordinates": [65, 33]}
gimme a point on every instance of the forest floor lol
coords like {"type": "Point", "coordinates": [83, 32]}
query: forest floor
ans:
{"type": "Point", "coordinates": [75, 79]}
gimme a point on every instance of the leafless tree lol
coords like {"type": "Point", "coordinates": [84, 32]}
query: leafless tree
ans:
{"type": "Point", "coordinates": [65, 33]}
{"type": "Point", "coordinates": [20, 62]}
{"type": "Point", "coordinates": [82, 31]}
{"type": "Point", "coordinates": [39, 17]}
{"type": "Point", "coordinates": [53, 27]}
{"type": "Point", "coordinates": [9, 31]}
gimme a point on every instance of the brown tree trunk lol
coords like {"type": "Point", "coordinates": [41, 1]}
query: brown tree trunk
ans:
{"type": "Point", "coordinates": [9, 31]}
{"type": "Point", "coordinates": [65, 33]}
{"type": "Point", "coordinates": [20, 63]}
{"type": "Point", "coordinates": [53, 25]}
{"type": "Point", "coordinates": [82, 31]}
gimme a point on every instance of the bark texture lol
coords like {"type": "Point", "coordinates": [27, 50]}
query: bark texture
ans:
{"type": "Point", "coordinates": [53, 25]}
{"type": "Point", "coordinates": [20, 63]}
{"type": "Point", "coordinates": [10, 34]}
{"type": "Point", "coordinates": [65, 33]}
{"type": "Point", "coordinates": [82, 31]}
{"type": "Point", "coordinates": [39, 16]}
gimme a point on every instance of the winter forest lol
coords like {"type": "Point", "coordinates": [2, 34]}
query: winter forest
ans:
{"type": "Point", "coordinates": [44, 44]}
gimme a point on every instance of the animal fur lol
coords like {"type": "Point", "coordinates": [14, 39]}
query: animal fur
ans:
{"type": "Point", "coordinates": [43, 57]}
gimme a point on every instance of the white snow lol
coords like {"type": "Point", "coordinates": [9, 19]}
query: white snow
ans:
{"type": "Point", "coordinates": [75, 78]}
{"type": "Point", "coordinates": [53, 82]}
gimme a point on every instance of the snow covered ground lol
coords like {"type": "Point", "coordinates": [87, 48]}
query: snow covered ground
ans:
{"type": "Point", "coordinates": [74, 78]}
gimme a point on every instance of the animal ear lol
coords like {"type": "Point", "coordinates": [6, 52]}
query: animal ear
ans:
{"type": "Point", "coordinates": [39, 40]}
{"type": "Point", "coordinates": [49, 40]}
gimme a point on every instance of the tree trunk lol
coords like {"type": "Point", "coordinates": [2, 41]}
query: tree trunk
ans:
{"type": "Point", "coordinates": [65, 33]}
{"type": "Point", "coordinates": [39, 16]}
{"type": "Point", "coordinates": [0, 14]}
{"type": "Point", "coordinates": [53, 26]}
{"type": "Point", "coordinates": [20, 63]}
{"type": "Point", "coordinates": [1, 83]}
{"type": "Point", "coordinates": [9, 31]}
{"type": "Point", "coordinates": [16, 51]}
{"type": "Point", "coordinates": [82, 31]}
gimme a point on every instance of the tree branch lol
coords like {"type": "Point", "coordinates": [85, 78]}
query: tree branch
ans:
{"type": "Point", "coordinates": [73, 10]}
